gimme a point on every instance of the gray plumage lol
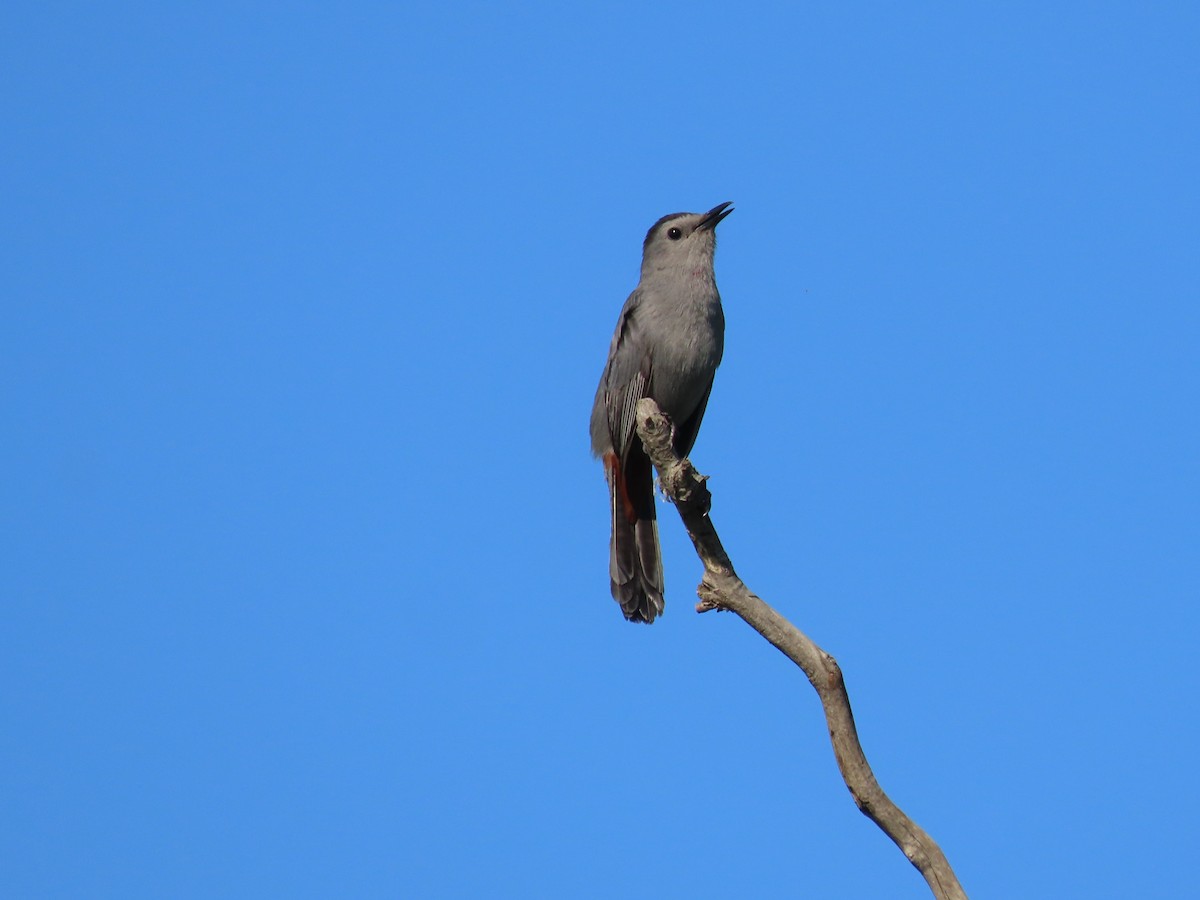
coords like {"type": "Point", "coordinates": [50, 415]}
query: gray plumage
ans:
{"type": "Point", "coordinates": [667, 346]}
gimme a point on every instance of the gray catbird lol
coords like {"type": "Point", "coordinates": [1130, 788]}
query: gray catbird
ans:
{"type": "Point", "coordinates": [667, 346]}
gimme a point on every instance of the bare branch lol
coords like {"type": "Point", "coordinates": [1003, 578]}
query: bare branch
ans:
{"type": "Point", "coordinates": [722, 589]}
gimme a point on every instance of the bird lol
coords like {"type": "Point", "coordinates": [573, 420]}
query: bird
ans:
{"type": "Point", "coordinates": [668, 343]}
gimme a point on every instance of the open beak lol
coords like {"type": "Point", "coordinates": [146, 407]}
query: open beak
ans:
{"type": "Point", "coordinates": [713, 217]}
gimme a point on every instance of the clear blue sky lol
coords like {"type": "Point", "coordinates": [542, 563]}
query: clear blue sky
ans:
{"type": "Point", "coordinates": [304, 558]}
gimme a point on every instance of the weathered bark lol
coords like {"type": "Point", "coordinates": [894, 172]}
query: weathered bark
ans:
{"type": "Point", "coordinates": [722, 589]}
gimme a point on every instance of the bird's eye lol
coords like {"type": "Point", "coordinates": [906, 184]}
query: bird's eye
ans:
{"type": "Point", "coordinates": [674, 234]}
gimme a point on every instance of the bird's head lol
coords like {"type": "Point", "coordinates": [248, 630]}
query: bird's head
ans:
{"type": "Point", "coordinates": [683, 240]}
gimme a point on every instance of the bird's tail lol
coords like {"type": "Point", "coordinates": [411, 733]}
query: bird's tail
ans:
{"type": "Point", "coordinates": [635, 559]}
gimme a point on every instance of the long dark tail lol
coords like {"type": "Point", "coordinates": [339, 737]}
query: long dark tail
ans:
{"type": "Point", "coordinates": [635, 560]}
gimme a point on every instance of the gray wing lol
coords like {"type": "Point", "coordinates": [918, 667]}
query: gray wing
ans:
{"type": "Point", "coordinates": [686, 431]}
{"type": "Point", "coordinates": [635, 561]}
{"type": "Point", "coordinates": [625, 381]}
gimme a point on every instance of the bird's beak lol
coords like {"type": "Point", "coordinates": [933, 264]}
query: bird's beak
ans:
{"type": "Point", "coordinates": [715, 215]}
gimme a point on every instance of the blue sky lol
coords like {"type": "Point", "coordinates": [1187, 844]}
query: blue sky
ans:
{"type": "Point", "coordinates": [303, 556]}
